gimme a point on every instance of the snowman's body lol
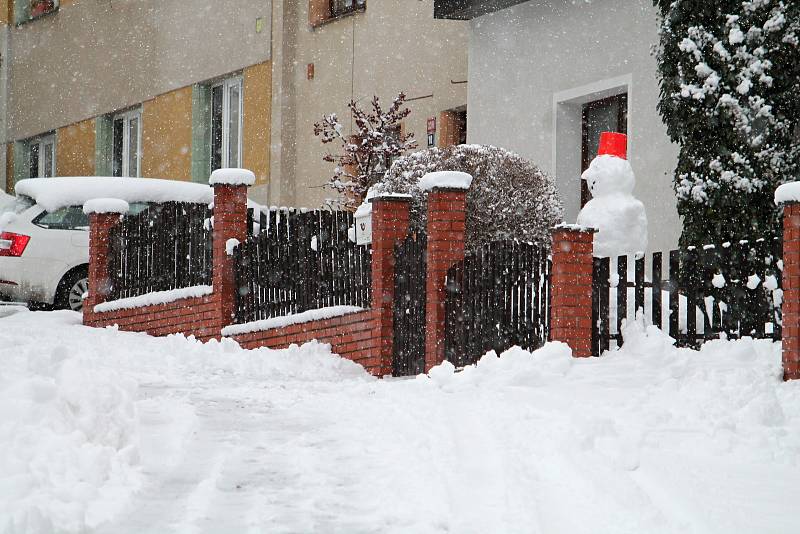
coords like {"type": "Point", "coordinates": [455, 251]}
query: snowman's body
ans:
{"type": "Point", "coordinates": [617, 215]}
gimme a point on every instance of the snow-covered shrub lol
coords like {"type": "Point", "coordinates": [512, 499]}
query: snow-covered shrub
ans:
{"type": "Point", "coordinates": [510, 198]}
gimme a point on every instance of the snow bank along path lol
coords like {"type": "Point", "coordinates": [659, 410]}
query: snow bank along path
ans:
{"type": "Point", "coordinates": [112, 432]}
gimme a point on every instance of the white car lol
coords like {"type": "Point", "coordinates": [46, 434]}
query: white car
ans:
{"type": "Point", "coordinates": [44, 238]}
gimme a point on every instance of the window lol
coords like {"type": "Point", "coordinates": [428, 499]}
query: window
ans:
{"type": "Point", "coordinates": [321, 11]}
{"type": "Point", "coordinates": [126, 143]}
{"type": "Point", "coordinates": [226, 124]}
{"type": "Point", "coordinates": [68, 218]}
{"type": "Point", "coordinates": [342, 7]}
{"type": "Point", "coordinates": [73, 218]}
{"type": "Point", "coordinates": [26, 10]}
{"type": "Point", "coordinates": [43, 157]}
{"type": "Point", "coordinates": [605, 115]}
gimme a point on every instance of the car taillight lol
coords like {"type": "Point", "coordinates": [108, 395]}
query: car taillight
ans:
{"type": "Point", "coordinates": [12, 244]}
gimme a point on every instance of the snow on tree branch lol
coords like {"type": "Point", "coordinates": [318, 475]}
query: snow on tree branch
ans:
{"type": "Point", "coordinates": [365, 154]}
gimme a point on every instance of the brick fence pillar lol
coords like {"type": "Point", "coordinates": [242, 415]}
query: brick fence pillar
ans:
{"type": "Point", "coordinates": [230, 222]}
{"type": "Point", "coordinates": [791, 291]}
{"type": "Point", "coordinates": [571, 289]}
{"type": "Point", "coordinates": [390, 221]}
{"type": "Point", "coordinates": [100, 225]}
{"type": "Point", "coordinates": [446, 225]}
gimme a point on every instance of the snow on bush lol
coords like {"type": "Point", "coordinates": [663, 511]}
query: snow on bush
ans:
{"type": "Point", "coordinates": [729, 84]}
{"type": "Point", "coordinates": [510, 198]}
{"type": "Point", "coordinates": [68, 441]}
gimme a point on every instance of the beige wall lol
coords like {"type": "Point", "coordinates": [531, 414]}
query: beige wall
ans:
{"type": "Point", "coordinates": [94, 57]}
{"type": "Point", "coordinates": [394, 45]}
{"type": "Point", "coordinates": [75, 149]}
{"type": "Point", "coordinates": [256, 120]}
{"type": "Point", "coordinates": [167, 135]}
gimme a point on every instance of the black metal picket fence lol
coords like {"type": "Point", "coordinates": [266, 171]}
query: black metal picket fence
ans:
{"type": "Point", "coordinates": [730, 290]}
{"type": "Point", "coordinates": [410, 299]}
{"type": "Point", "coordinates": [298, 260]}
{"type": "Point", "coordinates": [497, 297]}
{"type": "Point", "coordinates": [165, 246]}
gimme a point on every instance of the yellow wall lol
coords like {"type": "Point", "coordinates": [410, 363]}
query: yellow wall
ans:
{"type": "Point", "coordinates": [75, 149]}
{"type": "Point", "coordinates": [5, 11]}
{"type": "Point", "coordinates": [167, 136]}
{"type": "Point", "coordinates": [257, 119]}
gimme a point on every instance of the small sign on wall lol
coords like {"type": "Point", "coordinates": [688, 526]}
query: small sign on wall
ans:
{"type": "Point", "coordinates": [431, 131]}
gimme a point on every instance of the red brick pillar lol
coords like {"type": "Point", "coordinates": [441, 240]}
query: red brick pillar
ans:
{"type": "Point", "coordinates": [571, 289]}
{"type": "Point", "coordinates": [100, 225]}
{"type": "Point", "coordinates": [446, 225]}
{"type": "Point", "coordinates": [791, 291]}
{"type": "Point", "coordinates": [230, 222]}
{"type": "Point", "coordinates": [390, 216]}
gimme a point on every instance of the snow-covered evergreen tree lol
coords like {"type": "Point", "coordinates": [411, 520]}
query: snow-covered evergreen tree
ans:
{"type": "Point", "coordinates": [376, 140]}
{"type": "Point", "coordinates": [730, 97]}
{"type": "Point", "coordinates": [510, 198]}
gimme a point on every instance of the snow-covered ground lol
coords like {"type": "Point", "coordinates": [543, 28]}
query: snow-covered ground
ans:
{"type": "Point", "coordinates": [109, 432]}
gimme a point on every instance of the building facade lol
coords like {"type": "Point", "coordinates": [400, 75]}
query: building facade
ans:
{"type": "Point", "coordinates": [334, 51]}
{"type": "Point", "coordinates": [145, 88]}
{"type": "Point", "coordinates": [174, 89]}
{"type": "Point", "coordinates": [546, 77]}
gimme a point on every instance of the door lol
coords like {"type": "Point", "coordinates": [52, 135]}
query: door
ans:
{"type": "Point", "coordinates": [605, 115]}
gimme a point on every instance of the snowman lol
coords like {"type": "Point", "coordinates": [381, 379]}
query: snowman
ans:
{"type": "Point", "coordinates": [617, 215]}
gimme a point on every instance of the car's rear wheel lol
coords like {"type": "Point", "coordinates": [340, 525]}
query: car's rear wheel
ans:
{"type": "Point", "coordinates": [72, 289]}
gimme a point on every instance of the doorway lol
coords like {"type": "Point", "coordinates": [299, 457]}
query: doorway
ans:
{"type": "Point", "coordinates": [604, 115]}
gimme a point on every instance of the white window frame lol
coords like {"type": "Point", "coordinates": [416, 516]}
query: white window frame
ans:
{"type": "Point", "coordinates": [126, 117]}
{"type": "Point", "coordinates": [41, 143]}
{"type": "Point", "coordinates": [227, 84]}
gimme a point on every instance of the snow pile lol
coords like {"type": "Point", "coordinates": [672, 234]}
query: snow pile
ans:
{"type": "Point", "coordinates": [55, 193]}
{"type": "Point", "coordinates": [232, 177]}
{"type": "Point", "coordinates": [154, 298]}
{"type": "Point", "coordinates": [317, 314]}
{"type": "Point", "coordinates": [84, 430]}
{"type": "Point", "coordinates": [788, 193]}
{"type": "Point", "coordinates": [230, 245]}
{"type": "Point", "coordinates": [105, 205]}
{"type": "Point", "coordinates": [618, 216]}
{"type": "Point", "coordinates": [445, 179]}
{"type": "Point", "coordinates": [68, 441]}
{"type": "Point", "coordinates": [649, 438]}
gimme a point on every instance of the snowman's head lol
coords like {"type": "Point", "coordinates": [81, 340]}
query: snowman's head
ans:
{"type": "Point", "coordinates": [607, 175]}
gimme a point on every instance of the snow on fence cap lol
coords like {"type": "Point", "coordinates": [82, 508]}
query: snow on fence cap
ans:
{"type": "Point", "coordinates": [574, 227]}
{"type": "Point", "coordinates": [788, 193]}
{"type": "Point", "coordinates": [105, 205]}
{"type": "Point", "coordinates": [445, 179]}
{"type": "Point", "coordinates": [232, 177]}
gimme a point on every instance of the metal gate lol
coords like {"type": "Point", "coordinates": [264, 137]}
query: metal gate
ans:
{"type": "Point", "coordinates": [497, 297]}
{"type": "Point", "coordinates": [409, 305]}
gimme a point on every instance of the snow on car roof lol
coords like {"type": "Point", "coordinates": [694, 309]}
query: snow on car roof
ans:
{"type": "Point", "coordinates": [55, 193]}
